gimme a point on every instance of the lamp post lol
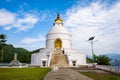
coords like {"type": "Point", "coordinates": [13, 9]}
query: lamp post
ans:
{"type": "Point", "coordinates": [91, 42]}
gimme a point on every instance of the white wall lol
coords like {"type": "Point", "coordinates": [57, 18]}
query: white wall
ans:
{"type": "Point", "coordinates": [66, 42]}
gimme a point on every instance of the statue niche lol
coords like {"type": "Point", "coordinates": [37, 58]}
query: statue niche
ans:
{"type": "Point", "coordinates": [58, 43]}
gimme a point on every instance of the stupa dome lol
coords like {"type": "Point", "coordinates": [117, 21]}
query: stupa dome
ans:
{"type": "Point", "coordinates": [58, 27]}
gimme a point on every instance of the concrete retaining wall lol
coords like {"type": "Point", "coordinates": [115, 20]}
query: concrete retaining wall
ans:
{"type": "Point", "coordinates": [113, 69]}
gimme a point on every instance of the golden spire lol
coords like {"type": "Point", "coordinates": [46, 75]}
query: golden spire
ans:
{"type": "Point", "coordinates": [58, 20]}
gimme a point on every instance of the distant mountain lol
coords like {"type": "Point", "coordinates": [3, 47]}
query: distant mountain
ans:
{"type": "Point", "coordinates": [115, 58]}
{"type": "Point", "coordinates": [113, 55]}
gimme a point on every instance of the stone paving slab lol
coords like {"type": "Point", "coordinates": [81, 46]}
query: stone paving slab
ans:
{"type": "Point", "coordinates": [96, 70]}
{"type": "Point", "coordinates": [65, 74]}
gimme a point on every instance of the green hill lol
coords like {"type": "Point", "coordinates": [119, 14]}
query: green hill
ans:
{"type": "Point", "coordinates": [23, 55]}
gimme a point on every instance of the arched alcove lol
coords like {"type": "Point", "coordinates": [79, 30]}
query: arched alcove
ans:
{"type": "Point", "coordinates": [58, 43]}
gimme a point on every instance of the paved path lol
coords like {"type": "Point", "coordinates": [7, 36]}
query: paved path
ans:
{"type": "Point", "coordinates": [96, 71]}
{"type": "Point", "coordinates": [65, 74]}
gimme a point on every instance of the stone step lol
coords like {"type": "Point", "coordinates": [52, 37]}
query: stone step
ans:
{"type": "Point", "coordinates": [58, 59]}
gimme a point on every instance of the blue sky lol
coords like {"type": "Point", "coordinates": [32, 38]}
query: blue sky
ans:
{"type": "Point", "coordinates": [26, 22]}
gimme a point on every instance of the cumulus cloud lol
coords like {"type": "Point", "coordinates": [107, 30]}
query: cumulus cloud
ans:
{"type": "Point", "coordinates": [9, 20]}
{"type": "Point", "coordinates": [32, 43]}
{"type": "Point", "coordinates": [40, 38]}
{"type": "Point", "coordinates": [95, 20]}
{"type": "Point", "coordinates": [6, 17]}
{"type": "Point", "coordinates": [26, 23]}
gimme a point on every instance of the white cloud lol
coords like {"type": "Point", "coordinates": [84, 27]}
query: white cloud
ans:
{"type": "Point", "coordinates": [40, 38]}
{"type": "Point", "coordinates": [6, 17]}
{"type": "Point", "coordinates": [94, 20]}
{"type": "Point", "coordinates": [31, 47]}
{"type": "Point", "coordinates": [26, 23]}
{"type": "Point", "coordinates": [32, 43]}
{"type": "Point", "coordinates": [9, 20]}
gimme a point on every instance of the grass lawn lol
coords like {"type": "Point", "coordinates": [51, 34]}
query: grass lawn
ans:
{"type": "Point", "coordinates": [101, 76]}
{"type": "Point", "coordinates": [23, 73]}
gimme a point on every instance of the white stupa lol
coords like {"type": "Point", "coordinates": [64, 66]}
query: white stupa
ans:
{"type": "Point", "coordinates": [58, 51]}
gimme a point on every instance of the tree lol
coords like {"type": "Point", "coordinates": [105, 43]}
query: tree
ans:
{"type": "Point", "coordinates": [100, 59]}
{"type": "Point", "coordinates": [95, 58]}
{"type": "Point", "coordinates": [89, 60]}
{"type": "Point", "coordinates": [2, 43]}
{"type": "Point", "coordinates": [103, 60]}
{"type": "Point", "coordinates": [23, 55]}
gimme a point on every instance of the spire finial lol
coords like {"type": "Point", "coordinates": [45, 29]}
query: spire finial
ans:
{"type": "Point", "coordinates": [58, 20]}
{"type": "Point", "coordinates": [58, 15]}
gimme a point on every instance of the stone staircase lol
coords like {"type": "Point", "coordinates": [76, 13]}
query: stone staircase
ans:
{"type": "Point", "coordinates": [58, 59]}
